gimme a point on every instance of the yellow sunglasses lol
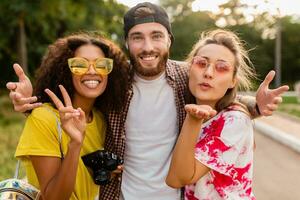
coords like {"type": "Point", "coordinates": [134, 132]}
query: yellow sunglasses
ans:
{"type": "Point", "coordinates": [80, 66]}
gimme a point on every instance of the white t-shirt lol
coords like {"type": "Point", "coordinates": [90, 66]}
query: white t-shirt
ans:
{"type": "Point", "coordinates": [151, 133]}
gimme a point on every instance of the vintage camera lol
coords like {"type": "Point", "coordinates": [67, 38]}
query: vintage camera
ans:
{"type": "Point", "coordinates": [102, 163]}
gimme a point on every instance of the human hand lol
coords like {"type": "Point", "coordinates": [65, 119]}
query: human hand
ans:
{"type": "Point", "coordinates": [201, 112]}
{"type": "Point", "coordinates": [117, 171]}
{"type": "Point", "coordinates": [73, 121]}
{"type": "Point", "coordinates": [269, 99]}
{"type": "Point", "coordinates": [21, 92]}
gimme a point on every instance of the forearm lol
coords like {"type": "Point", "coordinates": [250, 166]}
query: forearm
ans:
{"type": "Point", "coordinates": [182, 168]}
{"type": "Point", "coordinates": [250, 103]}
{"type": "Point", "coordinates": [62, 185]}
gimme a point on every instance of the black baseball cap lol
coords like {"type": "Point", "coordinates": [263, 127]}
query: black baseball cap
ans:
{"type": "Point", "coordinates": [159, 15]}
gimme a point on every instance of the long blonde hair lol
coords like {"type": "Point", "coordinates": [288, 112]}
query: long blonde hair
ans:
{"type": "Point", "coordinates": [243, 68]}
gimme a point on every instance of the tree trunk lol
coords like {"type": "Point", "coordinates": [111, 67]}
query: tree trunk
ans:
{"type": "Point", "coordinates": [22, 49]}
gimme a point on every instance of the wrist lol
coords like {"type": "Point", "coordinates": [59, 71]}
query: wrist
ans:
{"type": "Point", "coordinates": [74, 145]}
{"type": "Point", "coordinates": [257, 109]}
{"type": "Point", "coordinates": [193, 119]}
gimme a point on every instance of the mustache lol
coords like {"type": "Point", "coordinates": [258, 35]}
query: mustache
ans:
{"type": "Point", "coordinates": [148, 53]}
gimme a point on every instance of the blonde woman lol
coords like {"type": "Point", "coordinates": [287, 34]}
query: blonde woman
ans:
{"type": "Point", "coordinates": [213, 156]}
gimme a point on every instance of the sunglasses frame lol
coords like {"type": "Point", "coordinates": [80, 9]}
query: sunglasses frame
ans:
{"type": "Point", "coordinates": [109, 64]}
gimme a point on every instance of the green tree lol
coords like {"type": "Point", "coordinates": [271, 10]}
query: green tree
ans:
{"type": "Point", "coordinates": [187, 25]}
{"type": "Point", "coordinates": [30, 26]}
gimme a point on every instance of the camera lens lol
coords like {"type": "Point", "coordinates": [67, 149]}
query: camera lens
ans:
{"type": "Point", "coordinates": [101, 177]}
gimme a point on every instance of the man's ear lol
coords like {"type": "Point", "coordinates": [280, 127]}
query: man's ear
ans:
{"type": "Point", "coordinates": [126, 45]}
{"type": "Point", "coordinates": [169, 42]}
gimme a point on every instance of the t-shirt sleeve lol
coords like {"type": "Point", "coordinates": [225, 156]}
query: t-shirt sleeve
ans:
{"type": "Point", "coordinates": [39, 136]}
{"type": "Point", "coordinates": [227, 143]}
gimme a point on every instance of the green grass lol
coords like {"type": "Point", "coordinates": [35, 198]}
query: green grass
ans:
{"type": "Point", "coordinates": [290, 100]}
{"type": "Point", "coordinates": [290, 106]}
{"type": "Point", "coordinates": [11, 125]}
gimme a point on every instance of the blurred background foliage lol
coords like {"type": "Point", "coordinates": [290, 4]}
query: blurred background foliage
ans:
{"type": "Point", "coordinates": [28, 27]}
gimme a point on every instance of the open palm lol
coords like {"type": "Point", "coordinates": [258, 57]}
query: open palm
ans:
{"type": "Point", "coordinates": [21, 91]}
{"type": "Point", "coordinates": [201, 112]}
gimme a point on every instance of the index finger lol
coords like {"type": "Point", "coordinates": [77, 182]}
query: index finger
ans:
{"type": "Point", "coordinates": [19, 72]}
{"type": "Point", "coordinates": [268, 79]}
{"type": "Point", "coordinates": [55, 99]}
{"type": "Point", "coordinates": [280, 90]}
{"type": "Point", "coordinates": [65, 95]}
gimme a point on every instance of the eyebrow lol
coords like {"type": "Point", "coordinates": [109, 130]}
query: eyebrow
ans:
{"type": "Point", "coordinates": [153, 32]}
{"type": "Point", "coordinates": [87, 58]}
{"type": "Point", "coordinates": [135, 33]}
{"type": "Point", "coordinates": [207, 58]}
{"type": "Point", "coordinates": [140, 33]}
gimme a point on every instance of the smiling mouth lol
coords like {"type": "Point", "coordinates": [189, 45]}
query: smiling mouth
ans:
{"type": "Point", "coordinates": [91, 83]}
{"type": "Point", "coordinates": [148, 57]}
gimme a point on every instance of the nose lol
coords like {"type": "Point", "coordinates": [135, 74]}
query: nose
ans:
{"type": "Point", "coordinates": [91, 69]}
{"type": "Point", "coordinates": [209, 71]}
{"type": "Point", "coordinates": [148, 46]}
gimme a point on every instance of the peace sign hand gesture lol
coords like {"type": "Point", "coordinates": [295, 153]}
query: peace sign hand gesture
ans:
{"type": "Point", "coordinates": [73, 121]}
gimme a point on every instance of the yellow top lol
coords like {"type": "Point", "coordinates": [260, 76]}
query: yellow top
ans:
{"type": "Point", "coordinates": [40, 138]}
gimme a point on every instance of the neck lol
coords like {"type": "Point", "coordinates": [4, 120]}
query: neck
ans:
{"type": "Point", "coordinates": [149, 78]}
{"type": "Point", "coordinates": [86, 105]}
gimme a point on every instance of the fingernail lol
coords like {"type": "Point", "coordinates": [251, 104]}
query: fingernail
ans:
{"type": "Point", "coordinates": [76, 112]}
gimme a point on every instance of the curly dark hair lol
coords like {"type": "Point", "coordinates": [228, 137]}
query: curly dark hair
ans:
{"type": "Point", "coordinates": [54, 70]}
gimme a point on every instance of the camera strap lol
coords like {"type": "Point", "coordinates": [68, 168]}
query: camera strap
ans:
{"type": "Point", "coordinates": [59, 130]}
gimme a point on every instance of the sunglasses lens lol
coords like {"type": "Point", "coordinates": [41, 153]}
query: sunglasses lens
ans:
{"type": "Point", "coordinates": [78, 66]}
{"type": "Point", "coordinates": [104, 66]}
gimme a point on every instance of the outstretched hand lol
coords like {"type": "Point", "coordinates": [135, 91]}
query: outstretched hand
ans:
{"type": "Point", "coordinates": [21, 92]}
{"type": "Point", "coordinates": [269, 99]}
{"type": "Point", "coordinates": [73, 121]}
{"type": "Point", "coordinates": [200, 112]}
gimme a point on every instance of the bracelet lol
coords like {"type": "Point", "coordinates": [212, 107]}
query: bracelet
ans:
{"type": "Point", "coordinates": [257, 109]}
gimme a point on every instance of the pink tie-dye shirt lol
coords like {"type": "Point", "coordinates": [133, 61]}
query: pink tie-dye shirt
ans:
{"type": "Point", "coordinates": [226, 147]}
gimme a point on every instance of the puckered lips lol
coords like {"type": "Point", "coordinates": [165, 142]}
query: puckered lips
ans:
{"type": "Point", "coordinates": [91, 82]}
{"type": "Point", "coordinates": [205, 86]}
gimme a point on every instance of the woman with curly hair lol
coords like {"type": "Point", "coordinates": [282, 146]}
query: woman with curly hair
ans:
{"type": "Point", "coordinates": [213, 156]}
{"type": "Point", "coordinates": [82, 77]}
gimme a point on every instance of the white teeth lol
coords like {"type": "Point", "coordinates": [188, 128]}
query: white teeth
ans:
{"type": "Point", "coordinates": [148, 58]}
{"type": "Point", "coordinates": [91, 83]}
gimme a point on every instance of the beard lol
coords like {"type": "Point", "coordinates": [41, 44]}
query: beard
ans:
{"type": "Point", "coordinates": [153, 71]}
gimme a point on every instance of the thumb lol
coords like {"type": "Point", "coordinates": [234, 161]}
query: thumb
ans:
{"type": "Point", "coordinates": [19, 72]}
{"type": "Point", "coordinates": [11, 85]}
{"type": "Point", "coordinates": [82, 113]}
{"type": "Point", "coordinates": [270, 76]}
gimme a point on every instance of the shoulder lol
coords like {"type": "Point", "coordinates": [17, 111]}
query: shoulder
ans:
{"type": "Point", "coordinates": [179, 66]}
{"type": "Point", "coordinates": [99, 116]}
{"type": "Point", "coordinates": [237, 124]}
{"type": "Point", "coordinates": [236, 118]}
{"type": "Point", "coordinates": [237, 111]}
{"type": "Point", "coordinates": [46, 113]}
{"type": "Point", "coordinates": [177, 71]}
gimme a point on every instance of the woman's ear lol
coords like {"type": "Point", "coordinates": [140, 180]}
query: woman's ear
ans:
{"type": "Point", "coordinates": [234, 82]}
